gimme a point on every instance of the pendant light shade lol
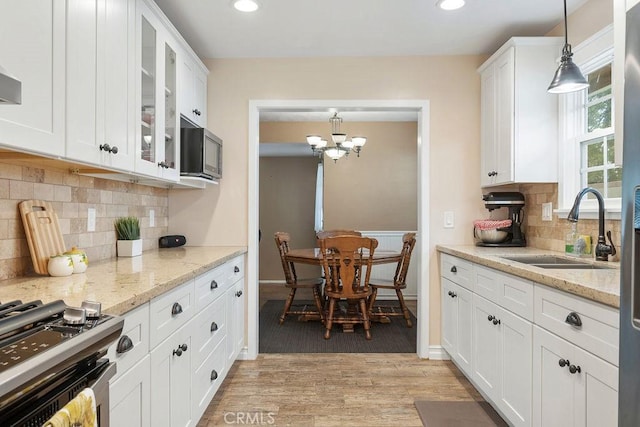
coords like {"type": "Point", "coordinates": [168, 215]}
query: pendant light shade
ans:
{"type": "Point", "coordinates": [568, 77]}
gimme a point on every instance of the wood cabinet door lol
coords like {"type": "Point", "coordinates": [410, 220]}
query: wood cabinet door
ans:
{"type": "Point", "coordinates": [464, 324]}
{"type": "Point", "coordinates": [505, 116]}
{"type": "Point", "coordinates": [488, 125]}
{"type": "Point", "coordinates": [486, 346]}
{"type": "Point", "coordinates": [449, 327]}
{"type": "Point", "coordinates": [33, 51]}
{"type": "Point", "coordinates": [598, 392]}
{"type": "Point", "coordinates": [129, 397]}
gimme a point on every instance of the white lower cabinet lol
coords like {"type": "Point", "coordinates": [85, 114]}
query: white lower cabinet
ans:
{"type": "Point", "coordinates": [571, 387]}
{"type": "Point", "coordinates": [457, 323]}
{"type": "Point", "coordinates": [191, 350]}
{"type": "Point", "coordinates": [130, 397]}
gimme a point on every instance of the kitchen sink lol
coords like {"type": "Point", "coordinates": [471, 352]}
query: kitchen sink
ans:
{"type": "Point", "coordinates": [555, 262]}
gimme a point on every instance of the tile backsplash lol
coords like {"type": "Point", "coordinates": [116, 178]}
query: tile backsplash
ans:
{"type": "Point", "coordinates": [551, 234]}
{"type": "Point", "coordinates": [71, 196]}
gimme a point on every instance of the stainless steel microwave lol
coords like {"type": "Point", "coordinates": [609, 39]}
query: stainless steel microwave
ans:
{"type": "Point", "coordinates": [200, 152]}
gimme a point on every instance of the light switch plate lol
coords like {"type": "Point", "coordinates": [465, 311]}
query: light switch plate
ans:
{"type": "Point", "coordinates": [448, 219]}
{"type": "Point", "coordinates": [547, 212]}
{"type": "Point", "coordinates": [91, 219]}
{"type": "Point", "coordinates": [152, 218]}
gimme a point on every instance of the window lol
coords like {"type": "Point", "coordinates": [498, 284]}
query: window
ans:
{"type": "Point", "coordinates": [597, 147]}
{"type": "Point", "coordinates": [587, 141]}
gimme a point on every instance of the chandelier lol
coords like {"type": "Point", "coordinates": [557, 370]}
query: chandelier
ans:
{"type": "Point", "coordinates": [342, 146]}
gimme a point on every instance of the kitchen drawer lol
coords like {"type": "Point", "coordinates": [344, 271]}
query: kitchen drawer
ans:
{"type": "Point", "coordinates": [136, 329]}
{"type": "Point", "coordinates": [209, 328]}
{"type": "Point", "coordinates": [235, 268]}
{"type": "Point", "coordinates": [212, 285]}
{"type": "Point", "coordinates": [457, 270]}
{"type": "Point", "coordinates": [207, 379]}
{"type": "Point", "coordinates": [170, 311]}
{"type": "Point", "coordinates": [599, 331]}
{"type": "Point", "coordinates": [512, 293]}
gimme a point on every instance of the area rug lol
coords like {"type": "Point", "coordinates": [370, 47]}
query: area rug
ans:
{"type": "Point", "coordinates": [458, 414]}
{"type": "Point", "coordinates": [295, 336]}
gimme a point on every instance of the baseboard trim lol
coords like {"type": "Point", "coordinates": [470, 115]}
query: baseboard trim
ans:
{"type": "Point", "coordinates": [437, 352]}
{"type": "Point", "coordinates": [272, 282]}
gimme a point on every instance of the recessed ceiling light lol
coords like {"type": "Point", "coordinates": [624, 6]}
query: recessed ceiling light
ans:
{"type": "Point", "coordinates": [246, 5]}
{"type": "Point", "coordinates": [450, 4]}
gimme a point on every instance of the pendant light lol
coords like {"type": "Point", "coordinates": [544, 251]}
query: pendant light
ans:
{"type": "Point", "coordinates": [568, 77]}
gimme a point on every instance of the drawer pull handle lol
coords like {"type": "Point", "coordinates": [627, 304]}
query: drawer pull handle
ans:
{"type": "Point", "coordinates": [214, 285]}
{"type": "Point", "coordinates": [124, 344]}
{"type": "Point", "coordinates": [179, 350]}
{"type": "Point", "coordinates": [236, 269]}
{"type": "Point", "coordinates": [214, 326]}
{"type": "Point", "coordinates": [573, 319]}
{"type": "Point", "coordinates": [573, 369]}
{"type": "Point", "coordinates": [496, 321]}
{"type": "Point", "coordinates": [176, 309]}
{"type": "Point", "coordinates": [563, 363]}
{"type": "Point", "coordinates": [454, 269]}
{"type": "Point", "coordinates": [239, 294]}
{"type": "Point", "coordinates": [214, 375]}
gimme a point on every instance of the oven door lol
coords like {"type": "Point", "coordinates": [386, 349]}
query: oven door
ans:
{"type": "Point", "coordinates": [37, 406]}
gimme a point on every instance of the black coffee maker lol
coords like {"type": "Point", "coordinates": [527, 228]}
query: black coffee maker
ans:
{"type": "Point", "coordinates": [514, 202]}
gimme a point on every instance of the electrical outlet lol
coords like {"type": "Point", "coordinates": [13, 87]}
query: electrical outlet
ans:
{"type": "Point", "coordinates": [91, 219]}
{"type": "Point", "coordinates": [547, 212]}
{"type": "Point", "coordinates": [448, 219]}
{"type": "Point", "coordinates": [152, 218]}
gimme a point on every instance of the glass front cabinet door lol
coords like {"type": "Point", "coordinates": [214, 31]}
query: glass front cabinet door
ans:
{"type": "Point", "coordinates": [158, 133]}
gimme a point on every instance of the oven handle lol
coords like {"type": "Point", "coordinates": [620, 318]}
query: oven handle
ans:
{"type": "Point", "coordinates": [100, 389]}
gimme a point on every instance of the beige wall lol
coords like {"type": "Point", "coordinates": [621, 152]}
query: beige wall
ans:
{"type": "Point", "coordinates": [71, 196]}
{"type": "Point", "coordinates": [586, 21]}
{"type": "Point", "coordinates": [287, 203]}
{"type": "Point", "coordinates": [218, 215]}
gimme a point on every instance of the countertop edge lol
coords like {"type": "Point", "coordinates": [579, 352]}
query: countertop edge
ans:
{"type": "Point", "coordinates": [550, 279]}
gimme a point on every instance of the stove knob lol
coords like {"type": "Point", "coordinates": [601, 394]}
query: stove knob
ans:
{"type": "Point", "coordinates": [93, 309]}
{"type": "Point", "coordinates": [75, 316]}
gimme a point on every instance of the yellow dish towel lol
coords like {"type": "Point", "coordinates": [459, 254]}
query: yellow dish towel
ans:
{"type": "Point", "coordinates": [79, 412]}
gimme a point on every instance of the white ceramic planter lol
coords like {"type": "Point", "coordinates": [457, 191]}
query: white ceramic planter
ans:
{"type": "Point", "coordinates": [129, 248]}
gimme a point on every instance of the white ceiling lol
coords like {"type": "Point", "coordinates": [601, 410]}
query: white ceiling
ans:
{"type": "Point", "coordinates": [311, 28]}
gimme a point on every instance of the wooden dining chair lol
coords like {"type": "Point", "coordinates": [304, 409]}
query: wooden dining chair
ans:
{"type": "Point", "coordinates": [347, 261]}
{"type": "Point", "coordinates": [315, 284]}
{"type": "Point", "coordinates": [332, 233]}
{"type": "Point", "coordinates": [398, 283]}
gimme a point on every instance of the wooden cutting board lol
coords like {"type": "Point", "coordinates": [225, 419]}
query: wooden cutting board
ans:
{"type": "Point", "coordinates": [43, 232]}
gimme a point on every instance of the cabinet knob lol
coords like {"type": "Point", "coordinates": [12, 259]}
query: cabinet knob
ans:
{"type": "Point", "coordinates": [163, 164]}
{"type": "Point", "coordinates": [490, 318]}
{"type": "Point", "coordinates": [214, 326]}
{"type": "Point", "coordinates": [176, 309]}
{"type": "Point", "coordinates": [114, 150]}
{"type": "Point", "coordinates": [236, 269]}
{"type": "Point", "coordinates": [178, 351]}
{"type": "Point", "coordinates": [563, 363]}
{"type": "Point", "coordinates": [573, 369]}
{"type": "Point", "coordinates": [124, 344]}
{"type": "Point", "coordinates": [109, 149]}
{"type": "Point", "coordinates": [573, 319]}
{"type": "Point", "coordinates": [496, 321]}
{"type": "Point", "coordinates": [214, 375]}
{"type": "Point", "coordinates": [454, 269]}
{"type": "Point", "coordinates": [239, 294]}
{"type": "Point", "coordinates": [196, 112]}
{"type": "Point", "coordinates": [449, 293]}
{"type": "Point", "coordinates": [453, 294]}
{"type": "Point", "coordinates": [214, 285]}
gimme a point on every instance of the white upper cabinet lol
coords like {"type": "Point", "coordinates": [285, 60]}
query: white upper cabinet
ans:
{"type": "Point", "coordinates": [157, 134]}
{"type": "Point", "coordinates": [519, 118]}
{"type": "Point", "coordinates": [193, 90]}
{"type": "Point", "coordinates": [100, 40]}
{"type": "Point", "coordinates": [32, 49]}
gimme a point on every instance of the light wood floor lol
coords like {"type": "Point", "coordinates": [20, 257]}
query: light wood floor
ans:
{"type": "Point", "coordinates": [325, 390]}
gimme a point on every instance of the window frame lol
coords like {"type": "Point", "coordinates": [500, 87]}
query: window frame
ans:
{"type": "Point", "coordinates": [590, 55]}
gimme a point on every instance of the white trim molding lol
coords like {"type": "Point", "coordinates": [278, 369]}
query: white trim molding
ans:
{"type": "Point", "coordinates": [437, 352]}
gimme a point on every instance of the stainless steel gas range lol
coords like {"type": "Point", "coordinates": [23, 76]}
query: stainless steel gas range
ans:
{"type": "Point", "coordinates": [48, 354]}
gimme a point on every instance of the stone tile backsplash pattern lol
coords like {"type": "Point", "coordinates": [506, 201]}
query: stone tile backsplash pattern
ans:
{"type": "Point", "coordinates": [551, 234]}
{"type": "Point", "coordinates": [71, 195]}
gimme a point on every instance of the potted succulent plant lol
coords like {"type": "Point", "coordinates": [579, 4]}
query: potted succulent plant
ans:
{"type": "Point", "coordinates": [129, 243]}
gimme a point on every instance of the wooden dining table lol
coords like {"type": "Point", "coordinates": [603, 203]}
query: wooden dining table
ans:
{"type": "Point", "coordinates": [313, 256]}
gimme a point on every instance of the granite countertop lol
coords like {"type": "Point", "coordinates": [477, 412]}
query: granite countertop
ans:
{"type": "Point", "coordinates": [600, 285]}
{"type": "Point", "coordinates": [121, 284]}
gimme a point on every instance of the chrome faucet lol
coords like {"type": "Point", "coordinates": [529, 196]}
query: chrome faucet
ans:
{"type": "Point", "coordinates": [602, 249]}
